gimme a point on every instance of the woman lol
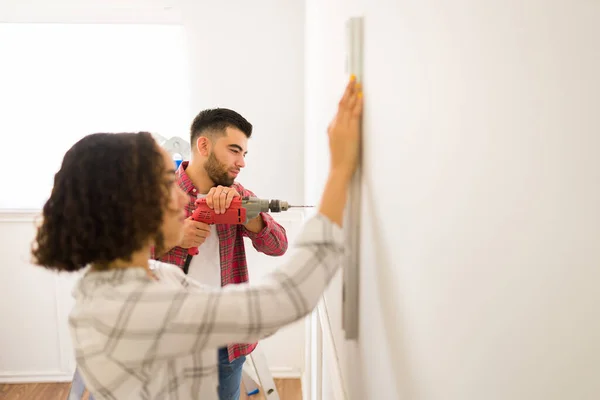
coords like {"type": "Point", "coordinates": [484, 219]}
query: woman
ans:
{"type": "Point", "coordinates": [142, 329]}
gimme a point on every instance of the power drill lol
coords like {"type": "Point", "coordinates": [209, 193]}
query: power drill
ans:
{"type": "Point", "coordinates": [241, 210]}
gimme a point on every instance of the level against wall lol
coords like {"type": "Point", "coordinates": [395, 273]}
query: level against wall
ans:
{"type": "Point", "coordinates": [350, 293]}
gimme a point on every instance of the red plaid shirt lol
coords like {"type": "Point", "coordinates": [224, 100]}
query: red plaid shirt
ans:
{"type": "Point", "coordinates": [272, 240]}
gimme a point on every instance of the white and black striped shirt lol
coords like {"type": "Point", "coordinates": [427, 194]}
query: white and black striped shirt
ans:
{"type": "Point", "coordinates": [139, 338]}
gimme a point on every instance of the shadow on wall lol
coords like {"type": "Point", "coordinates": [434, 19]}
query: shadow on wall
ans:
{"type": "Point", "coordinates": [389, 297]}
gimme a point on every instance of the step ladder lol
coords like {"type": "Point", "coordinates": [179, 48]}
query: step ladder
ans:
{"type": "Point", "coordinates": [258, 365]}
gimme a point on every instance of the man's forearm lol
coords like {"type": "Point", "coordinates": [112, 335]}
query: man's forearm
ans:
{"type": "Point", "coordinates": [268, 238]}
{"type": "Point", "coordinates": [256, 224]}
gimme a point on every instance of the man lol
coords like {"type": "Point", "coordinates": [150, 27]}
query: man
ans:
{"type": "Point", "coordinates": [219, 142]}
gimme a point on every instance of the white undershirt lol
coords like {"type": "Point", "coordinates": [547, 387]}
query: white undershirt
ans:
{"type": "Point", "coordinates": [205, 267]}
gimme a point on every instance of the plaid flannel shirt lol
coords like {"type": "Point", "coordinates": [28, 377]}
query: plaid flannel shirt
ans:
{"type": "Point", "coordinates": [141, 338]}
{"type": "Point", "coordinates": [272, 240]}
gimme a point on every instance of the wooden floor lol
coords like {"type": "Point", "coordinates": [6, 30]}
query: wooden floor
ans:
{"type": "Point", "coordinates": [289, 389]}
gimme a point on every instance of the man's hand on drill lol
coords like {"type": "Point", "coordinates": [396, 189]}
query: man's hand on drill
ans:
{"type": "Point", "coordinates": [194, 233]}
{"type": "Point", "coordinates": [219, 199]}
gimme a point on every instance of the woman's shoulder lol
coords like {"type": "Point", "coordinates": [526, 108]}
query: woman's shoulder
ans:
{"type": "Point", "coordinates": [163, 269]}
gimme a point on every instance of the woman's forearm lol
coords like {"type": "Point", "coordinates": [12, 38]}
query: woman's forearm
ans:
{"type": "Point", "coordinates": [335, 193]}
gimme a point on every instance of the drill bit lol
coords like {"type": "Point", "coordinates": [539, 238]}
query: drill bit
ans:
{"type": "Point", "coordinates": [281, 205]}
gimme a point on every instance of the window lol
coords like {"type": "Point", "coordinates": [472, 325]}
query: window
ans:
{"type": "Point", "coordinates": [60, 82]}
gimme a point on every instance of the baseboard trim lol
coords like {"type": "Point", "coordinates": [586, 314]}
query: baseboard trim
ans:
{"type": "Point", "coordinates": [35, 377]}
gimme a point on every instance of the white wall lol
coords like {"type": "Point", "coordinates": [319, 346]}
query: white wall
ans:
{"type": "Point", "coordinates": [481, 218]}
{"type": "Point", "coordinates": [248, 56]}
{"type": "Point", "coordinates": [91, 11]}
{"type": "Point", "coordinates": [34, 340]}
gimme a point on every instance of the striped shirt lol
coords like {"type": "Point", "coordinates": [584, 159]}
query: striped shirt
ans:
{"type": "Point", "coordinates": [141, 338]}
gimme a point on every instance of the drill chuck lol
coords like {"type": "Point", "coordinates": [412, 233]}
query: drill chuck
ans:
{"type": "Point", "coordinates": [264, 205]}
{"type": "Point", "coordinates": [278, 205]}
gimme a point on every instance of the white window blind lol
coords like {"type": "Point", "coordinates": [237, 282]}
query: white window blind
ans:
{"type": "Point", "coordinates": [60, 82]}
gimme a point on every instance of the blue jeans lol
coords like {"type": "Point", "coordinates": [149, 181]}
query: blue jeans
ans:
{"type": "Point", "coordinates": [78, 388]}
{"type": "Point", "coordinates": [230, 376]}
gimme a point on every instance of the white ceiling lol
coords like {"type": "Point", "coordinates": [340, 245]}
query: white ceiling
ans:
{"type": "Point", "coordinates": [91, 11]}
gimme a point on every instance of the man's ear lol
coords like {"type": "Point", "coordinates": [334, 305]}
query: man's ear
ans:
{"type": "Point", "coordinates": [203, 145]}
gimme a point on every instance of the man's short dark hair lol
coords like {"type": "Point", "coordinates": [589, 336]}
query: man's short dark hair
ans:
{"type": "Point", "coordinates": [215, 121]}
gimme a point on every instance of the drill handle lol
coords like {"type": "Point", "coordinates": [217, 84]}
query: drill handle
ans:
{"type": "Point", "coordinates": [234, 215]}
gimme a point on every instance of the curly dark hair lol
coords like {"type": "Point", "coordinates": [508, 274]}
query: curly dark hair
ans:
{"type": "Point", "coordinates": [107, 202]}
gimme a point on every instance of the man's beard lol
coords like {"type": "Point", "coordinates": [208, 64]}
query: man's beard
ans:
{"type": "Point", "coordinates": [217, 171]}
